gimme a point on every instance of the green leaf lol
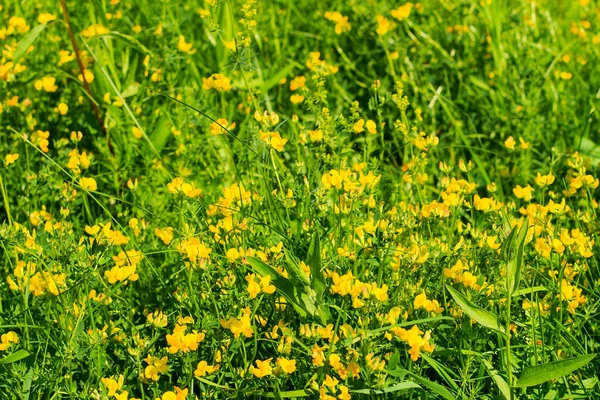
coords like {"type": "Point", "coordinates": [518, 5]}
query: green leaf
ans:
{"type": "Point", "coordinates": [485, 318]}
{"type": "Point", "coordinates": [498, 379]}
{"type": "Point", "coordinates": [14, 357]}
{"type": "Point", "coordinates": [538, 374]}
{"type": "Point", "coordinates": [515, 257]}
{"type": "Point", "coordinates": [161, 133]}
{"type": "Point", "coordinates": [296, 295]}
{"type": "Point", "coordinates": [407, 385]}
{"type": "Point", "coordinates": [434, 387]}
{"type": "Point", "coordinates": [27, 41]}
{"type": "Point", "coordinates": [317, 280]}
{"type": "Point", "coordinates": [289, 394]}
{"type": "Point", "coordinates": [529, 290]}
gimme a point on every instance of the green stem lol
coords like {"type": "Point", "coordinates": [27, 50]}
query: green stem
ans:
{"type": "Point", "coordinates": [508, 351]}
{"type": "Point", "coordinates": [5, 197]}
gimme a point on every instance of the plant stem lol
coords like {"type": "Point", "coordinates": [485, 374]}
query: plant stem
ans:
{"type": "Point", "coordinates": [86, 85]}
{"type": "Point", "coordinates": [6, 205]}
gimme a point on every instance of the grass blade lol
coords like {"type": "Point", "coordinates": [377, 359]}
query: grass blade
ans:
{"type": "Point", "coordinates": [515, 257]}
{"type": "Point", "coordinates": [538, 374]}
{"type": "Point", "coordinates": [485, 318]}
{"type": "Point", "coordinates": [27, 41]}
{"type": "Point", "coordinates": [14, 357]}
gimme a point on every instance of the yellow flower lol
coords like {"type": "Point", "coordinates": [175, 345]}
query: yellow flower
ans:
{"type": "Point", "coordinates": [253, 287]}
{"type": "Point", "coordinates": [204, 369]}
{"type": "Point", "coordinates": [184, 47]}
{"type": "Point", "coordinates": [6, 340]}
{"type": "Point", "coordinates": [218, 82]}
{"type": "Point", "coordinates": [297, 83]}
{"type": "Point", "coordinates": [359, 126]}
{"type": "Point", "coordinates": [383, 25]}
{"type": "Point", "coordinates": [88, 184]}
{"type": "Point", "coordinates": [164, 234]}
{"type": "Point", "coordinates": [287, 366]}
{"type": "Point", "coordinates": [371, 127]}
{"type": "Point", "coordinates": [510, 143]}
{"type": "Point", "coordinates": [94, 30]}
{"type": "Point", "coordinates": [274, 139]}
{"type": "Point", "coordinates": [523, 144]}
{"type": "Point", "coordinates": [221, 126]}
{"type": "Point", "coordinates": [316, 135]}
{"type": "Point", "coordinates": [525, 193]}
{"type": "Point", "coordinates": [10, 158]}
{"type": "Point", "coordinates": [89, 76]}
{"type": "Point", "coordinates": [45, 17]}
{"type": "Point", "coordinates": [566, 75]}
{"type": "Point", "coordinates": [239, 326]}
{"type": "Point", "coordinates": [402, 12]}
{"type": "Point", "coordinates": [544, 180]}
{"type": "Point", "coordinates": [341, 22]}
{"type": "Point", "coordinates": [296, 99]}
{"type": "Point", "coordinates": [47, 83]}
{"type": "Point", "coordinates": [63, 108]}
{"type": "Point", "coordinates": [262, 369]}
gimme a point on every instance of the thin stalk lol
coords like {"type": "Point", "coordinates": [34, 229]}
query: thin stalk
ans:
{"type": "Point", "coordinates": [86, 84]}
{"type": "Point", "coordinates": [5, 198]}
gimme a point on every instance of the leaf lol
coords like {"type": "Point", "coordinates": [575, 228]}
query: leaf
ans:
{"type": "Point", "coordinates": [589, 148]}
{"type": "Point", "coordinates": [407, 385]}
{"type": "Point", "coordinates": [289, 394]}
{"type": "Point", "coordinates": [27, 384]}
{"type": "Point", "coordinates": [27, 41]}
{"type": "Point", "coordinates": [434, 387]}
{"type": "Point", "coordinates": [515, 257]}
{"type": "Point", "coordinates": [302, 301]}
{"type": "Point", "coordinates": [538, 374]}
{"type": "Point", "coordinates": [317, 280]}
{"type": "Point", "coordinates": [485, 318]}
{"type": "Point", "coordinates": [498, 379]}
{"type": "Point", "coordinates": [14, 357]}
{"type": "Point", "coordinates": [529, 290]}
{"type": "Point", "coordinates": [441, 370]}
{"type": "Point", "coordinates": [161, 134]}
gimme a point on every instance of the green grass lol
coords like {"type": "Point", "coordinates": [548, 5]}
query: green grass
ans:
{"type": "Point", "coordinates": [299, 199]}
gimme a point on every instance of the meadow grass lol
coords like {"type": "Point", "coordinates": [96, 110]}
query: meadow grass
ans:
{"type": "Point", "coordinates": [299, 199]}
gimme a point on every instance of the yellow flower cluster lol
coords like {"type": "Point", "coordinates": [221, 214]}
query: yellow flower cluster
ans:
{"type": "Point", "coordinates": [239, 326]}
{"type": "Point", "coordinates": [194, 250]}
{"type": "Point", "coordinates": [341, 22]}
{"type": "Point", "coordinates": [179, 340]}
{"type": "Point", "coordinates": [218, 82]}
{"type": "Point", "coordinates": [125, 268]}
{"type": "Point", "coordinates": [348, 284]}
{"type": "Point", "coordinates": [7, 339]}
{"type": "Point", "coordinates": [256, 285]}
{"type": "Point", "coordinates": [178, 185]}
{"type": "Point", "coordinates": [416, 339]}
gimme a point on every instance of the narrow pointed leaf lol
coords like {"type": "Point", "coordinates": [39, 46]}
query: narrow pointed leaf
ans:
{"type": "Point", "coordinates": [14, 357]}
{"type": "Point", "coordinates": [302, 301]}
{"type": "Point", "coordinates": [484, 317]}
{"type": "Point", "coordinates": [402, 386]}
{"type": "Point", "coordinates": [515, 257]}
{"type": "Point", "coordinates": [538, 374]}
{"type": "Point", "coordinates": [27, 41]}
{"type": "Point", "coordinates": [498, 379]}
{"type": "Point", "coordinates": [317, 281]}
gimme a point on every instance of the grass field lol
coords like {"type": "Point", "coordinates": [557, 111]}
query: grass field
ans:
{"type": "Point", "coordinates": [299, 199]}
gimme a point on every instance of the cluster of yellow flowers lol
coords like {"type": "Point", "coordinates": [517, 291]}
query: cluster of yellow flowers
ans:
{"type": "Point", "coordinates": [7, 339]}
{"type": "Point", "coordinates": [178, 185]}
{"type": "Point", "coordinates": [179, 340]}
{"type": "Point", "coordinates": [218, 82]}
{"type": "Point", "coordinates": [125, 268]}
